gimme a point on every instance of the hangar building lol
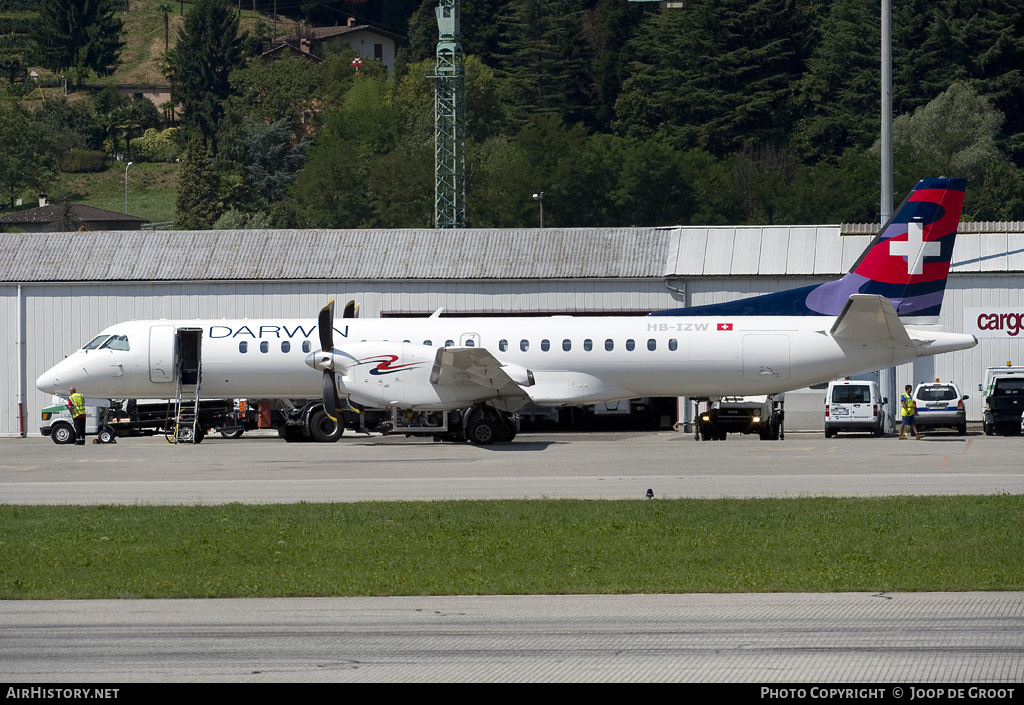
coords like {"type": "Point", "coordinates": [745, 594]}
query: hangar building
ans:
{"type": "Point", "coordinates": [57, 290]}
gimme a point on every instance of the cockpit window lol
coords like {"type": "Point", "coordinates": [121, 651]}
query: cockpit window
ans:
{"type": "Point", "coordinates": [95, 342]}
{"type": "Point", "coordinates": [116, 342]}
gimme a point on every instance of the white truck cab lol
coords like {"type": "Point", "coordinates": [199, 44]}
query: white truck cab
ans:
{"type": "Point", "coordinates": [59, 426]}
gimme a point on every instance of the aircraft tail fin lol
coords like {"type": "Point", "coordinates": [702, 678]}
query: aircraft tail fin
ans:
{"type": "Point", "coordinates": [907, 262]}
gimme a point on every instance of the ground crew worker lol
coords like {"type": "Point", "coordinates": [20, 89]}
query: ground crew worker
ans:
{"type": "Point", "coordinates": [908, 409]}
{"type": "Point", "coordinates": [76, 403]}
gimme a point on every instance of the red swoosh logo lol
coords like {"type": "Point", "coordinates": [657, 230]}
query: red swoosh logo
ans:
{"type": "Point", "coordinates": [386, 364]}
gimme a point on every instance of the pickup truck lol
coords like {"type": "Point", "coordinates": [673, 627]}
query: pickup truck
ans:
{"type": "Point", "coordinates": [762, 415]}
{"type": "Point", "coordinates": [1004, 406]}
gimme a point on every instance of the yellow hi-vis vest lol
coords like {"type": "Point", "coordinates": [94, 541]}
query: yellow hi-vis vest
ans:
{"type": "Point", "coordinates": [77, 405]}
{"type": "Point", "coordinates": [908, 407]}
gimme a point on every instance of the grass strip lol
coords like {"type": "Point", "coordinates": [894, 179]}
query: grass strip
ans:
{"type": "Point", "coordinates": [513, 547]}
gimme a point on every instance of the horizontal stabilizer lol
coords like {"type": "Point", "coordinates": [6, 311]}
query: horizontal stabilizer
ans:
{"type": "Point", "coordinates": [871, 318]}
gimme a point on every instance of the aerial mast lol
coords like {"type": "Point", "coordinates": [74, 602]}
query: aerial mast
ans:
{"type": "Point", "coordinates": [449, 121]}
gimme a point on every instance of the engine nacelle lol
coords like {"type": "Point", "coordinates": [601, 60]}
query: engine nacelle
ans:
{"type": "Point", "coordinates": [384, 373]}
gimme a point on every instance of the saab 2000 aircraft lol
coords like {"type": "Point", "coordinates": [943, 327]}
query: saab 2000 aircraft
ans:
{"type": "Point", "coordinates": [882, 313]}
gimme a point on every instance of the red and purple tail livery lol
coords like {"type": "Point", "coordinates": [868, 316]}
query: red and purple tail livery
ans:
{"type": "Point", "coordinates": [907, 262]}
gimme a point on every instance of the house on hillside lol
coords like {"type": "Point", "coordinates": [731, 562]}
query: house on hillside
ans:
{"type": "Point", "coordinates": [366, 40]}
{"type": "Point", "coordinates": [68, 217]}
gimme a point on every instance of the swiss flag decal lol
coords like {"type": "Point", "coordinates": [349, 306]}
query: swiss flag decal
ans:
{"type": "Point", "coordinates": [725, 326]}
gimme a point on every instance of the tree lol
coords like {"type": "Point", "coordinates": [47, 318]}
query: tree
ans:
{"type": "Point", "coordinates": [76, 36]}
{"type": "Point", "coordinates": [27, 153]}
{"type": "Point", "coordinates": [543, 60]}
{"type": "Point", "coordinates": [838, 96]}
{"type": "Point", "coordinates": [287, 88]}
{"type": "Point", "coordinates": [166, 9]}
{"type": "Point", "coordinates": [954, 134]}
{"type": "Point", "coordinates": [209, 48]}
{"type": "Point", "coordinates": [717, 76]}
{"type": "Point", "coordinates": [196, 205]}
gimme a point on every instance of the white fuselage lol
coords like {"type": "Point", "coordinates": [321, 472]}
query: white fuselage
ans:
{"type": "Point", "coordinates": [572, 359]}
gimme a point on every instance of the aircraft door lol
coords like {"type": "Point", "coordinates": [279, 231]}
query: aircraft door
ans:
{"type": "Point", "coordinates": [766, 357]}
{"type": "Point", "coordinates": [162, 367]}
{"type": "Point", "coordinates": [190, 342]}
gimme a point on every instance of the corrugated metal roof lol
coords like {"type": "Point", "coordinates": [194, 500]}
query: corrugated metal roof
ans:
{"type": "Point", "coordinates": [585, 253]}
{"type": "Point", "coordinates": [334, 254]}
{"type": "Point", "coordinates": [823, 250]}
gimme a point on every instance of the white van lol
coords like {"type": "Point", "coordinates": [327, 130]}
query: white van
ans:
{"type": "Point", "coordinates": [854, 405]}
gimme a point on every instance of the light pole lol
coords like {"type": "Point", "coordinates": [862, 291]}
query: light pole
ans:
{"type": "Point", "coordinates": [539, 198]}
{"type": "Point", "coordinates": [126, 187]}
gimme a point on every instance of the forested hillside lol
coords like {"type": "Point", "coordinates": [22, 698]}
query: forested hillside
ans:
{"type": "Point", "coordinates": [727, 111]}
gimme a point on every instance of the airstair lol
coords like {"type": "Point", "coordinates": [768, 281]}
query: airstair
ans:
{"type": "Point", "coordinates": [186, 426]}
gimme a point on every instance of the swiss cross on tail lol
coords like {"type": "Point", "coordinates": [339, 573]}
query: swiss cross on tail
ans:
{"type": "Point", "coordinates": [908, 262]}
{"type": "Point", "coordinates": [914, 248]}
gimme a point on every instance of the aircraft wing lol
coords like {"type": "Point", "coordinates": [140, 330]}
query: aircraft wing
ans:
{"type": "Point", "coordinates": [871, 318]}
{"type": "Point", "coordinates": [478, 367]}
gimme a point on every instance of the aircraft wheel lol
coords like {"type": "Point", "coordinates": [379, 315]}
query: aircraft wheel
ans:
{"type": "Point", "coordinates": [482, 431]}
{"type": "Point", "coordinates": [62, 434]}
{"type": "Point", "coordinates": [107, 435]}
{"type": "Point", "coordinates": [324, 429]}
{"type": "Point", "coordinates": [237, 433]}
{"type": "Point", "coordinates": [506, 432]}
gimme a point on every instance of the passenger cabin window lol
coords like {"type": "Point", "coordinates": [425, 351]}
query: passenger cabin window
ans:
{"type": "Point", "coordinates": [567, 345]}
{"type": "Point", "coordinates": [449, 343]}
{"type": "Point", "coordinates": [673, 344]}
{"type": "Point", "coordinates": [630, 344]}
{"type": "Point", "coordinates": [588, 344]}
{"type": "Point", "coordinates": [609, 345]}
{"type": "Point", "coordinates": [652, 344]}
{"type": "Point", "coordinates": [545, 345]}
{"type": "Point", "coordinates": [427, 343]}
{"type": "Point", "coordinates": [306, 346]}
{"type": "Point", "coordinates": [524, 344]}
{"type": "Point", "coordinates": [285, 346]}
{"type": "Point", "coordinates": [502, 345]}
{"type": "Point", "coordinates": [243, 346]}
{"type": "Point", "coordinates": [264, 347]}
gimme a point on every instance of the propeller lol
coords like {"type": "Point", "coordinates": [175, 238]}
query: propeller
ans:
{"type": "Point", "coordinates": [325, 326]}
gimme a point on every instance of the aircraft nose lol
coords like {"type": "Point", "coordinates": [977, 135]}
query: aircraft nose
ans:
{"type": "Point", "coordinates": [60, 377]}
{"type": "Point", "coordinates": [48, 382]}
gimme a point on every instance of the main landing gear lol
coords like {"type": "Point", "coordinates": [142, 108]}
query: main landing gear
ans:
{"type": "Point", "coordinates": [486, 425]}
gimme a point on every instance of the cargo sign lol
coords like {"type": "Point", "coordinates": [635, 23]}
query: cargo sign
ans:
{"type": "Point", "coordinates": [994, 322]}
